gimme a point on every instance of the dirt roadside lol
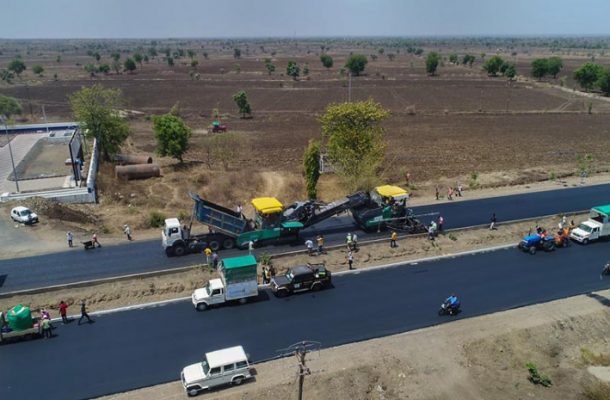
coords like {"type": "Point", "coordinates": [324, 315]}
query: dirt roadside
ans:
{"type": "Point", "coordinates": [171, 286]}
{"type": "Point", "coordinates": [476, 358]}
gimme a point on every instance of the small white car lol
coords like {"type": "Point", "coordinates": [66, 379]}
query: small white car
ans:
{"type": "Point", "coordinates": [24, 215]}
{"type": "Point", "coordinates": [221, 367]}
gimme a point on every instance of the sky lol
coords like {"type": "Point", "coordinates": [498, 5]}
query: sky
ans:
{"type": "Point", "coordinates": [27, 19]}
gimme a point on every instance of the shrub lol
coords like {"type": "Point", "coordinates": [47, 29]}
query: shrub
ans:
{"type": "Point", "coordinates": [536, 378]}
{"type": "Point", "coordinates": [183, 215]}
{"type": "Point", "coordinates": [265, 259]}
{"type": "Point", "coordinates": [156, 219]}
{"type": "Point", "coordinates": [451, 236]}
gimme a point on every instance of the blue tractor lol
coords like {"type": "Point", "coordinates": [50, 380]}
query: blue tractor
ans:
{"type": "Point", "coordinates": [531, 243]}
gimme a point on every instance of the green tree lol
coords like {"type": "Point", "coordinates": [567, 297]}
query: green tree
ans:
{"type": "Point", "coordinates": [292, 69]}
{"type": "Point", "coordinates": [205, 55]}
{"type": "Point", "coordinates": [152, 52]}
{"type": "Point", "coordinates": [311, 165]}
{"type": "Point", "coordinates": [453, 58]}
{"type": "Point", "coordinates": [305, 70]}
{"type": "Point", "coordinates": [432, 61]}
{"type": "Point", "coordinates": [9, 106]}
{"type": "Point", "coordinates": [104, 68]}
{"type": "Point", "coordinates": [97, 109]}
{"type": "Point", "coordinates": [354, 141]}
{"type": "Point", "coordinates": [604, 81]}
{"type": "Point", "coordinates": [17, 66]}
{"type": "Point", "coordinates": [327, 61]}
{"type": "Point", "coordinates": [116, 56]}
{"type": "Point", "coordinates": [555, 64]}
{"type": "Point", "coordinates": [270, 68]}
{"type": "Point", "coordinates": [97, 56]}
{"type": "Point", "coordinates": [194, 63]}
{"type": "Point", "coordinates": [6, 75]}
{"type": "Point", "coordinates": [91, 69]}
{"type": "Point", "coordinates": [116, 66]}
{"type": "Point", "coordinates": [137, 57]}
{"type": "Point", "coordinates": [492, 65]}
{"type": "Point", "coordinates": [38, 69]}
{"type": "Point", "coordinates": [191, 54]}
{"type": "Point", "coordinates": [170, 61]}
{"type": "Point", "coordinates": [58, 59]}
{"type": "Point", "coordinates": [241, 99]}
{"type": "Point", "coordinates": [130, 65]}
{"type": "Point", "coordinates": [356, 63]}
{"type": "Point", "coordinates": [391, 56]}
{"type": "Point", "coordinates": [172, 136]}
{"type": "Point", "coordinates": [510, 71]}
{"type": "Point", "coordinates": [468, 59]}
{"type": "Point", "coordinates": [540, 67]}
{"type": "Point", "coordinates": [237, 53]}
{"type": "Point", "coordinates": [587, 75]}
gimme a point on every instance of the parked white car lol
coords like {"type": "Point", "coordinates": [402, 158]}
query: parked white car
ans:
{"type": "Point", "coordinates": [221, 367]}
{"type": "Point", "coordinates": [24, 215]}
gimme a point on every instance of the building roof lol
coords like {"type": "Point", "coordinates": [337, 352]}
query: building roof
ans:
{"type": "Point", "coordinates": [603, 209]}
{"type": "Point", "coordinates": [267, 205]}
{"type": "Point", "coordinates": [222, 357]}
{"type": "Point", "coordinates": [238, 262]}
{"type": "Point", "coordinates": [391, 191]}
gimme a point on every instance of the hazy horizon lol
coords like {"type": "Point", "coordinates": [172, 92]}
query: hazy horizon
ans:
{"type": "Point", "coordinates": [245, 19]}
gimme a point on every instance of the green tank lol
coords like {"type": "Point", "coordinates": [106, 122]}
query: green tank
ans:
{"type": "Point", "coordinates": [19, 318]}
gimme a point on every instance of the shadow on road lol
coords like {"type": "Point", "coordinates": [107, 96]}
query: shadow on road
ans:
{"type": "Point", "coordinates": [601, 299]}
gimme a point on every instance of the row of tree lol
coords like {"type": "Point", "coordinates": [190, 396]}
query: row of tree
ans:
{"type": "Point", "coordinates": [592, 75]}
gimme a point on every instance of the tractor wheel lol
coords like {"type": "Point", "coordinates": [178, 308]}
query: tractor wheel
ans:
{"type": "Point", "coordinates": [214, 245]}
{"type": "Point", "coordinates": [532, 250]}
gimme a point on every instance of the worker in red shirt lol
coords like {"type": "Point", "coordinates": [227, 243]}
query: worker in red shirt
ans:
{"type": "Point", "coordinates": [63, 311]}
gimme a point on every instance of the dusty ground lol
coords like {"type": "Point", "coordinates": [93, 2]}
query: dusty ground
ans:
{"type": "Point", "coordinates": [144, 290]}
{"type": "Point", "coordinates": [476, 358]}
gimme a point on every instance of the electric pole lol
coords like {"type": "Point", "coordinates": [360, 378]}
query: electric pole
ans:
{"type": "Point", "coordinates": [300, 350]}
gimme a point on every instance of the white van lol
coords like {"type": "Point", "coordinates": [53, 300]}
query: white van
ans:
{"type": "Point", "coordinates": [221, 367]}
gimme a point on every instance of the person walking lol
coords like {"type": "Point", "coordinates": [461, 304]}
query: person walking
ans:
{"type": "Point", "coordinates": [95, 241]}
{"type": "Point", "coordinates": [350, 259]}
{"type": "Point", "coordinates": [266, 275]}
{"type": "Point", "coordinates": [431, 232]}
{"type": "Point", "coordinates": [493, 220]}
{"type": "Point", "coordinates": [250, 247]}
{"type": "Point", "coordinates": [438, 194]}
{"type": "Point", "coordinates": [83, 313]}
{"type": "Point", "coordinates": [393, 238]}
{"type": "Point", "coordinates": [46, 328]}
{"type": "Point", "coordinates": [63, 311]}
{"type": "Point", "coordinates": [449, 193]}
{"type": "Point", "coordinates": [348, 241]}
{"type": "Point", "coordinates": [215, 260]}
{"type": "Point", "coordinates": [460, 188]}
{"type": "Point", "coordinates": [127, 231]}
{"type": "Point", "coordinates": [355, 241]}
{"type": "Point", "coordinates": [440, 223]}
{"type": "Point", "coordinates": [309, 245]}
{"type": "Point", "coordinates": [69, 238]}
{"type": "Point", "coordinates": [208, 254]}
{"type": "Point", "coordinates": [320, 240]}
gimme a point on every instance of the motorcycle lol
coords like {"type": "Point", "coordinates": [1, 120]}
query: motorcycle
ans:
{"type": "Point", "coordinates": [447, 310]}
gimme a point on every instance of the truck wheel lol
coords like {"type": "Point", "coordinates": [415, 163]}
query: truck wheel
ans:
{"type": "Point", "coordinates": [585, 242]}
{"type": "Point", "coordinates": [169, 252]}
{"type": "Point", "coordinates": [202, 307]}
{"type": "Point", "coordinates": [192, 391]}
{"type": "Point", "coordinates": [243, 300]}
{"type": "Point", "coordinates": [532, 250]}
{"type": "Point", "coordinates": [228, 243]}
{"type": "Point", "coordinates": [179, 250]}
{"type": "Point", "coordinates": [214, 245]}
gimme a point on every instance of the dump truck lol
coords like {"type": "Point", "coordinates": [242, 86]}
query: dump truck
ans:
{"type": "Point", "coordinates": [228, 229]}
{"type": "Point", "coordinates": [596, 227]}
{"type": "Point", "coordinates": [19, 324]}
{"type": "Point", "coordinates": [237, 282]}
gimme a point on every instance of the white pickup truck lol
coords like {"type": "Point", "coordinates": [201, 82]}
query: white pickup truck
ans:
{"type": "Point", "coordinates": [237, 283]}
{"type": "Point", "coordinates": [596, 227]}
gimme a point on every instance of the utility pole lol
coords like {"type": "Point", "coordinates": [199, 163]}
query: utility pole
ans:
{"type": "Point", "coordinates": [300, 350]}
{"type": "Point", "coordinates": [45, 118]}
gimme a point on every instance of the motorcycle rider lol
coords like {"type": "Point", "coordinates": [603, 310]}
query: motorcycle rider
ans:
{"type": "Point", "coordinates": [452, 303]}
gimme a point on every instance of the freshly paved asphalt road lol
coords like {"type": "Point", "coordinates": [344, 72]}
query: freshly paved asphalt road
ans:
{"type": "Point", "coordinates": [144, 256]}
{"type": "Point", "coordinates": [131, 349]}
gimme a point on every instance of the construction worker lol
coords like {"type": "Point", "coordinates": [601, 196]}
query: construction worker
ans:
{"type": "Point", "coordinates": [320, 241]}
{"type": "Point", "coordinates": [393, 238]}
{"type": "Point", "coordinates": [309, 245]}
{"type": "Point", "coordinates": [355, 241]}
{"type": "Point", "coordinates": [350, 259]}
{"type": "Point", "coordinates": [127, 231]}
{"type": "Point", "coordinates": [208, 253]}
{"type": "Point", "coordinates": [441, 221]}
{"type": "Point", "coordinates": [349, 241]}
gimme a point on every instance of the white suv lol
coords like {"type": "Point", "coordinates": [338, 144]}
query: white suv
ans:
{"type": "Point", "coordinates": [221, 367]}
{"type": "Point", "coordinates": [24, 214]}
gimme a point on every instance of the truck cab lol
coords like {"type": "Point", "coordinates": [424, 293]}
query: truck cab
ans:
{"type": "Point", "coordinates": [596, 227]}
{"type": "Point", "coordinates": [209, 295]}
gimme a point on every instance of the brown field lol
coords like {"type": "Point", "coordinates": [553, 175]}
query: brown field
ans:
{"type": "Point", "coordinates": [441, 128]}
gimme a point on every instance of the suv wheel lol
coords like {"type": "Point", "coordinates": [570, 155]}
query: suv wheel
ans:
{"type": "Point", "coordinates": [282, 293]}
{"type": "Point", "coordinates": [316, 287]}
{"type": "Point", "coordinates": [237, 381]}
